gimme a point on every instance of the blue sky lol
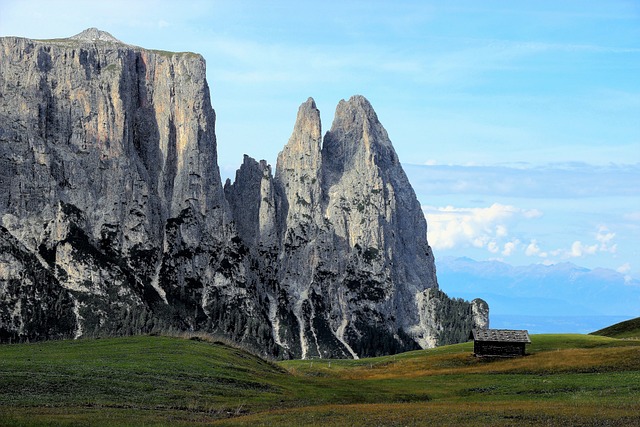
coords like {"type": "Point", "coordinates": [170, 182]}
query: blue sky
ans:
{"type": "Point", "coordinates": [518, 121]}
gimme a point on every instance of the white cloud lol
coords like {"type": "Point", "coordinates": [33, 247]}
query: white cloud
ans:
{"type": "Point", "coordinates": [579, 249]}
{"type": "Point", "coordinates": [501, 230]}
{"type": "Point", "coordinates": [510, 247]}
{"type": "Point", "coordinates": [451, 227]}
{"type": "Point", "coordinates": [624, 268]}
{"type": "Point", "coordinates": [603, 244]}
{"type": "Point", "coordinates": [604, 238]}
{"type": "Point", "coordinates": [532, 249]}
{"type": "Point", "coordinates": [531, 213]}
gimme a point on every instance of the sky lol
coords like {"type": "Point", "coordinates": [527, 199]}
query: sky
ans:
{"type": "Point", "coordinates": [518, 122]}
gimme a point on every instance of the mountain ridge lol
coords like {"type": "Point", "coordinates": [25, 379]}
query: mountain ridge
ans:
{"type": "Point", "coordinates": [111, 182]}
{"type": "Point", "coordinates": [598, 291]}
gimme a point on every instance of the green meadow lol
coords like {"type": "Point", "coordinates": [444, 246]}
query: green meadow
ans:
{"type": "Point", "coordinates": [579, 380]}
{"type": "Point", "coordinates": [627, 329]}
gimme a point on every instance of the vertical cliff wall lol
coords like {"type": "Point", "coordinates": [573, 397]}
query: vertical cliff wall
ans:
{"type": "Point", "coordinates": [114, 219]}
{"type": "Point", "coordinates": [343, 243]}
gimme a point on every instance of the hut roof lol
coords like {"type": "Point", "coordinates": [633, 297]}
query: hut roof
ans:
{"type": "Point", "coordinates": [501, 335]}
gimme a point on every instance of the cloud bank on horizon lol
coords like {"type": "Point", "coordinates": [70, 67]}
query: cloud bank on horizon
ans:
{"type": "Point", "coordinates": [580, 213]}
{"type": "Point", "coordinates": [526, 112]}
{"type": "Point", "coordinates": [489, 229]}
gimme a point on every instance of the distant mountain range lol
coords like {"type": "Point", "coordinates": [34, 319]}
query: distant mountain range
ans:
{"type": "Point", "coordinates": [545, 298]}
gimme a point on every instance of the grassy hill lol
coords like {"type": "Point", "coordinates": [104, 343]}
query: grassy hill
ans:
{"type": "Point", "coordinates": [626, 329]}
{"type": "Point", "coordinates": [565, 380]}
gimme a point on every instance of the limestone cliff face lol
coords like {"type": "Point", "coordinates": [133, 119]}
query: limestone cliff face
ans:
{"type": "Point", "coordinates": [114, 219]}
{"type": "Point", "coordinates": [375, 210]}
{"type": "Point", "coordinates": [348, 269]}
{"type": "Point", "coordinates": [33, 305]}
{"type": "Point", "coordinates": [109, 176]}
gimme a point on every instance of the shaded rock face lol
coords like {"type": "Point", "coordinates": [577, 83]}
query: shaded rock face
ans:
{"type": "Point", "coordinates": [341, 243]}
{"type": "Point", "coordinates": [114, 219]}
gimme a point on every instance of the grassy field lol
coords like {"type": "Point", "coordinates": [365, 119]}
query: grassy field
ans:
{"type": "Point", "coordinates": [565, 380]}
{"type": "Point", "coordinates": [627, 329]}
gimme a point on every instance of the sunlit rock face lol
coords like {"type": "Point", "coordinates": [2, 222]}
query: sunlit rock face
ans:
{"type": "Point", "coordinates": [114, 219]}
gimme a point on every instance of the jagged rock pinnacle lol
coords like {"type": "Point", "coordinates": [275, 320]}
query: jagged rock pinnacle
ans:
{"type": "Point", "coordinates": [94, 34]}
{"type": "Point", "coordinates": [303, 149]}
{"type": "Point", "coordinates": [358, 115]}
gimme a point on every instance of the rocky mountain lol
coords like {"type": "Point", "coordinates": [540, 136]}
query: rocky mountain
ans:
{"type": "Point", "coordinates": [114, 219]}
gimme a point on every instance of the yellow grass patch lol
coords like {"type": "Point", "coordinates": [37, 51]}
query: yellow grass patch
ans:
{"type": "Point", "coordinates": [567, 360]}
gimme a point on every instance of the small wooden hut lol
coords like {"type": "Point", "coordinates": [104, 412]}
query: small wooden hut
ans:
{"type": "Point", "coordinates": [500, 342]}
